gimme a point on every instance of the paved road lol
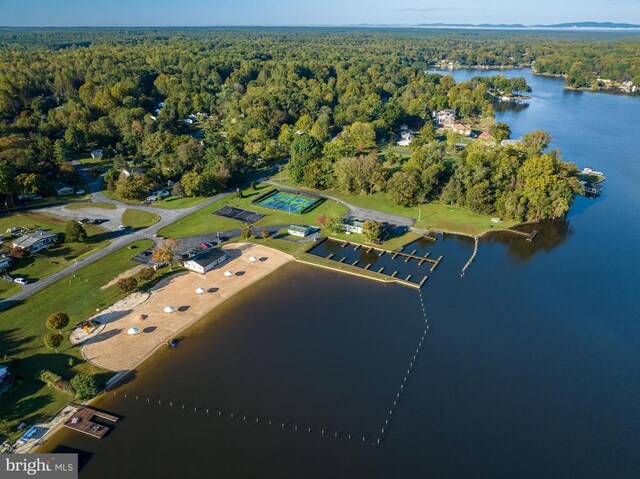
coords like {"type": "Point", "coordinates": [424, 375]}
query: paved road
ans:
{"type": "Point", "coordinates": [361, 213]}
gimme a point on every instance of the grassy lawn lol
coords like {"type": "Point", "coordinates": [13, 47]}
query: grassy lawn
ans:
{"type": "Point", "coordinates": [138, 219]}
{"type": "Point", "coordinates": [102, 206]}
{"type": "Point", "coordinates": [203, 221]}
{"type": "Point", "coordinates": [8, 289]}
{"type": "Point", "coordinates": [113, 196]}
{"type": "Point", "coordinates": [175, 202]}
{"type": "Point", "coordinates": [53, 259]}
{"type": "Point", "coordinates": [22, 328]}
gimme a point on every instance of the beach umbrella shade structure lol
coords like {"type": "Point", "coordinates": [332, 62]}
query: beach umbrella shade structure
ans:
{"type": "Point", "coordinates": [169, 309]}
{"type": "Point", "coordinates": [133, 331]}
{"type": "Point", "coordinates": [201, 290]}
{"type": "Point", "coordinates": [253, 259]}
{"type": "Point", "coordinates": [228, 274]}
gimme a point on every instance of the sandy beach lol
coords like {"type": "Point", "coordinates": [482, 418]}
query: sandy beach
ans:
{"type": "Point", "coordinates": [113, 349]}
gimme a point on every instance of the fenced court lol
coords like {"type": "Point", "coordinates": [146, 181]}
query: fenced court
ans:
{"type": "Point", "coordinates": [239, 214]}
{"type": "Point", "coordinates": [288, 202]}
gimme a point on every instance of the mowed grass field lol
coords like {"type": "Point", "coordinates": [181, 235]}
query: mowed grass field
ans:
{"type": "Point", "coordinates": [50, 260]}
{"type": "Point", "coordinates": [23, 326]}
{"type": "Point", "coordinates": [138, 219]}
{"type": "Point", "coordinates": [204, 221]}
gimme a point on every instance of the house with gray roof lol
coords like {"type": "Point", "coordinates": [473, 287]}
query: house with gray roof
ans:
{"type": "Point", "coordinates": [37, 241]}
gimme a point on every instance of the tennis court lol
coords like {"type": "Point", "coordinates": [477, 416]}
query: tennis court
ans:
{"type": "Point", "coordinates": [239, 214]}
{"type": "Point", "coordinates": [289, 202]}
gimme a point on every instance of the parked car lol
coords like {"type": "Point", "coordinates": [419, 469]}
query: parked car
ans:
{"type": "Point", "coordinates": [207, 245]}
{"type": "Point", "coordinates": [123, 227]}
{"type": "Point", "coordinates": [80, 192]}
{"type": "Point", "coordinates": [14, 230]}
{"type": "Point", "coordinates": [21, 281]}
{"type": "Point", "coordinates": [84, 221]}
{"type": "Point", "coordinates": [99, 221]}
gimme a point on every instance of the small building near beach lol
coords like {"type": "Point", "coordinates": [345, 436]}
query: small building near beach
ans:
{"type": "Point", "coordinates": [300, 230]}
{"type": "Point", "coordinates": [206, 260]}
{"type": "Point", "coordinates": [351, 225]}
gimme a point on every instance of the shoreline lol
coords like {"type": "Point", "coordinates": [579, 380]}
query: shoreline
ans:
{"type": "Point", "coordinates": [613, 91]}
{"type": "Point", "coordinates": [114, 350]}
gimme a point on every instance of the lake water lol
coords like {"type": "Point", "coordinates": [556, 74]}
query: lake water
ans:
{"type": "Point", "coordinates": [530, 367]}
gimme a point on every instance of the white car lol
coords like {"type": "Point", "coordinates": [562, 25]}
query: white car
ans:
{"type": "Point", "coordinates": [80, 192]}
{"type": "Point", "coordinates": [21, 281]}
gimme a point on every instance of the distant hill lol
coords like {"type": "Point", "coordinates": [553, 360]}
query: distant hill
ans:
{"type": "Point", "coordinates": [555, 26]}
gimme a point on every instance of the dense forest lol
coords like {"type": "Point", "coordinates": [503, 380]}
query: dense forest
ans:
{"type": "Point", "coordinates": [205, 107]}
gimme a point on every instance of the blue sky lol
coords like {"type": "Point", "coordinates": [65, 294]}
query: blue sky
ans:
{"type": "Point", "coordinates": [308, 12]}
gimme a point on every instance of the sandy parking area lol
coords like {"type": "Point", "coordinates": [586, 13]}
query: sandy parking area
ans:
{"type": "Point", "coordinates": [114, 349]}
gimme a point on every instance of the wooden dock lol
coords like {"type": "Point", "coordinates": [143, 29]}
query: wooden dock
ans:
{"type": "Point", "coordinates": [83, 421]}
{"type": "Point", "coordinates": [526, 235]}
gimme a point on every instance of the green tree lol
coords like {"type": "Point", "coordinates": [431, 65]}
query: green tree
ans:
{"type": "Point", "coordinates": [371, 231]}
{"type": "Point", "coordinates": [403, 188]}
{"type": "Point", "coordinates": [134, 187]}
{"type": "Point", "coordinates": [53, 340]}
{"type": "Point", "coordinates": [75, 232]}
{"type": "Point", "coordinates": [86, 386]}
{"type": "Point", "coordinates": [361, 136]}
{"type": "Point", "coordinates": [127, 285]}
{"type": "Point", "coordinates": [304, 148]}
{"type": "Point", "coordinates": [335, 224]}
{"type": "Point", "coordinates": [537, 141]}
{"type": "Point", "coordinates": [58, 321]}
{"type": "Point", "coordinates": [500, 131]}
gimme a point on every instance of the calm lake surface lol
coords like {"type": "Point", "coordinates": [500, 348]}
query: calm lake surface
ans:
{"type": "Point", "coordinates": [530, 367]}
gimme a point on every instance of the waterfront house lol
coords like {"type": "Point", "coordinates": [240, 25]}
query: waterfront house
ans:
{"type": "Point", "coordinates": [591, 189]}
{"type": "Point", "coordinates": [34, 242]}
{"type": "Point", "coordinates": [459, 128]}
{"type": "Point", "coordinates": [64, 190]}
{"type": "Point", "coordinates": [300, 230]}
{"type": "Point", "coordinates": [486, 136]}
{"type": "Point", "coordinates": [206, 260]}
{"type": "Point", "coordinates": [96, 154]}
{"type": "Point", "coordinates": [5, 263]}
{"type": "Point", "coordinates": [352, 225]}
{"type": "Point", "coordinates": [587, 170]}
{"type": "Point", "coordinates": [6, 379]}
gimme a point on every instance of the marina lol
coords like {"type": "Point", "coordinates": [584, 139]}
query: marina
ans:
{"type": "Point", "coordinates": [406, 267]}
